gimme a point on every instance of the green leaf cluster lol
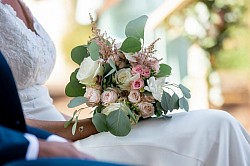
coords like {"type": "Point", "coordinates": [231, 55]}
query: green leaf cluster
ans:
{"type": "Point", "coordinates": [135, 33]}
{"type": "Point", "coordinates": [174, 102]}
{"type": "Point", "coordinates": [164, 71]}
{"type": "Point", "coordinates": [117, 123]}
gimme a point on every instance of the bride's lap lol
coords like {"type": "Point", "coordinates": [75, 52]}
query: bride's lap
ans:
{"type": "Point", "coordinates": [186, 137]}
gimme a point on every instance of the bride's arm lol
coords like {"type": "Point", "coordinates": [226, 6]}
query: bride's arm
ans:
{"type": "Point", "coordinates": [84, 128]}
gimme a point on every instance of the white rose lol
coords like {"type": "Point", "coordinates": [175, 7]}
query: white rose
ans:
{"type": "Point", "coordinates": [88, 71]}
{"type": "Point", "coordinates": [134, 96]}
{"type": "Point", "coordinates": [155, 86]}
{"type": "Point", "coordinates": [115, 106]}
{"type": "Point", "coordinates": [147, 109]}
{"type": "Point", "coordinates": [93, 96]}
{"type": "Point", "coordinates": [124, 77]}
{"type": "Point", "coordinates": [108, 97]}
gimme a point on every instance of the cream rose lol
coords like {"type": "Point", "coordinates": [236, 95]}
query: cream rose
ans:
{"type": "Point", "coordinates": [147, 109]}
{"type": "Point", "coordinates": [124, 77]}
{"type": "Point", "coordinates": [93, 96]}
{"type": "Point", "coordinates": [108, 97]}
{"type": "Point", "coordinates": [134, 96]}
{"type": "Point", "coordinates": [88, 71]}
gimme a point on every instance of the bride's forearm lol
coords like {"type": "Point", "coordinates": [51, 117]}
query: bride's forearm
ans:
{"type": "Point", "coordinates": [84, 128]}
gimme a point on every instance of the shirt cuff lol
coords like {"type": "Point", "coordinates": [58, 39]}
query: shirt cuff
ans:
{"type": "Point", "coordinates": [55, 138]}
{"type": "Point", "coordinates": [33, 148]}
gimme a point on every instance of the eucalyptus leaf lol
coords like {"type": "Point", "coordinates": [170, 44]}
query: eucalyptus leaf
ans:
{"type": "Point", "coordinates": [118, 123]}
{"type": "Point", "coordinates": [74, 126]}
{"type": "Point", "coordinates": [131, 45]}
{"type": "Point", "coordinates": [165, 102]}
{"type": "Point", "coordinates": [107, 68]}
{"type": "Point", "coordinates": [159, 109]}
{"type": "Point", "coordinates": [93, 49]}
{"type": "Point", "coordinates": [79, 53]}
{"type": "Point", "coordinates": [110, 72]}
{"type": "Point", "coordinates": [135, 28]}
{"type": "Point", "coordinates": [67, 123]}
{"type": "Point", "coordinates": [77, 101]}
{"type": "Point", "coordinates": [184, 104]}
{"type": "Point", "coordinates": [73, 76]}
{"type": "Point", "coordinates": [174, 101]}
{"type": "Point", "coordinates": [74, 88]}
{"type": "Point", "coordinates": [125, 108]}
{"type": "Point", "coordinates": [112, 64]}
{"type": "Point", "coordinates": [165, 70]}
{"type": "Point", "coordinates": [185, 91]}
{"type": "Point", "coordinates": [99, 120]}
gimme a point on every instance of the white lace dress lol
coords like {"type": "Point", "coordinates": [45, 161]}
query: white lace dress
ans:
{"type": "Point", "coordinates": [31, 56]}
{"type": "Point", "coordinates": [197, 138]}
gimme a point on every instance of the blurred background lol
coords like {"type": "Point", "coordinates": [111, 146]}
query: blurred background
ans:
{"type": "Point", "coordinates": [204, 41]}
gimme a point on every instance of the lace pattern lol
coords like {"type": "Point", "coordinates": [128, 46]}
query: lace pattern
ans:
{"type": "Point", "coordinates": [30, 55]}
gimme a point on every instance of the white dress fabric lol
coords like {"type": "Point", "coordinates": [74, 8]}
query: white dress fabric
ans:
{"type": "Point", "coordinates": [31, 56]}
{"type": "Point", "coordinates": [197, 138]}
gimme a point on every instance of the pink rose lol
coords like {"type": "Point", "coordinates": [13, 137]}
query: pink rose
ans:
{"type": "Point", "coordinates": [108, 97]}
{"type": "Point", "coordinates": [138, 69]}
{"type": "Point", "coordinates": [147, 109]}
{"type": "Point", "coordinates": [154, 64]}
{"type": "Point", "coordinates": [134, 96]}
{"type": "Point", "coordinates": [146, 72]}
{"type": "Point", "coordinates": [138, 84]}
{"type": "Point", "coordinates": [93, 96]}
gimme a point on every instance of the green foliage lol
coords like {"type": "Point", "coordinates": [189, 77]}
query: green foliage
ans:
{"type": "Point", "coordinates": [135, 28]}
{"type": "Point", "coordinates": [183, 103]}
{"type": "Point", "coordinates": [67, 123]}
{"type": "Point", "coordinates": [109, 68]}
{"type": "Point", "coordinates": [74, 88]}
{"type": "Point", "coordinates": [185, 91]}
{"type": "Point", "coordinates": [74, 126]}
{"type": "Point", "coordinates": [172, 102]}
{"type": "Point", "coordinates": [79, 53]}
{"type": "Point", "coordinates": [99, 120]}
{"type": "Point", "coordinates": [118, 123]}
{"type": "Point", "coordinates": [165, 70]}
{"type": "Point", "coordinates": [93, 49]}
{"type": "Point", "coordinates": [165, 101]}
{"type": "Point", "coordinates": [77, 101]}
{"type": "Point", "coordinates": [131, 45]}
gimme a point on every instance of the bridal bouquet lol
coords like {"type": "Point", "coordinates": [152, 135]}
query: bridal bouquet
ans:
{"type": "Point", "coordinates": [122, 82]}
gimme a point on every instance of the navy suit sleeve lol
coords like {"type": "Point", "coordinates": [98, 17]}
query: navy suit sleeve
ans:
{"type": "Point", "coordinates": [13, 145]}
{"type": "Point", "coordinates": [11, 109]}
